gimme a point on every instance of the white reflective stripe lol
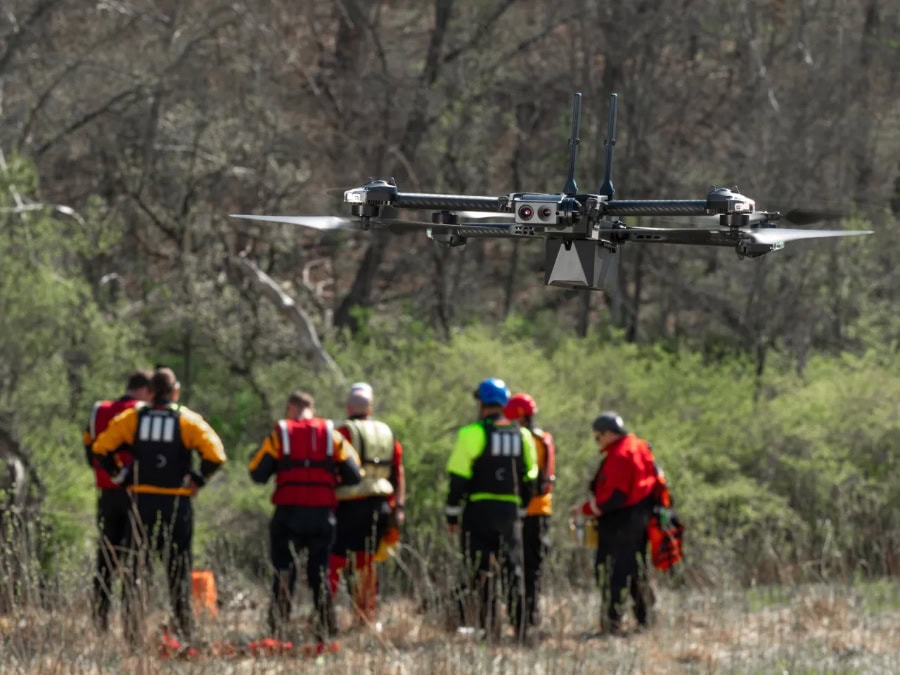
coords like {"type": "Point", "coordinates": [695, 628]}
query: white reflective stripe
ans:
{"type": "Point", "coordinates": [453, 510]}
{"type": "Point", "coordinates": [285, 439]}
{"type": "Point", "coordinates": [144, 432]}
{"type": "Point", "coordinates": [156, 429]}
{"type": "Point", "coordinates": [93, 423]}
{"type": "Point", "coordinates": [168, 430]}
{"type": "Point", "coordinates": [506, 444]}
{"type": "Point", "coordinates": [329, 435]}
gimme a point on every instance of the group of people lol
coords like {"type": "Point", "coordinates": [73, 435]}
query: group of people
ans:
{"type": "Point", "coordinates": [142, 447]}
{"type": "Point", "coordinates": [339, 496]}
{"type": "Point", "coordinates": [502, 471]}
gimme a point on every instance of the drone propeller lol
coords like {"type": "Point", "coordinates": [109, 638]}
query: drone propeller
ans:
{"type": "Point", "coordinates": [767, 236]}
{"type": "Point", "coordinates": [322, 223]}
{"type": "Point", "coordinates": [478, 215]}
{"type": "Point", "coordinates": [775, 235]}
{"type": "Point", "coordinates": [328, 223]}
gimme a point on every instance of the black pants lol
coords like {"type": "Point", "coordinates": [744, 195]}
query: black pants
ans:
{"type": "Point", "coordinates": [535, 544]}
{"type": "Point", "coordinates": [622, 563]}
{"type": "Point", "coordinates": [294, 529]}
{"type": "Point", "coordinates": [113, 513]}
{"type": "Point", "coordinates": [491, 540]}
{"type": "Point", "coordinates": [164, 528]}
{"type": "Point", "coordinates": [361, 523]}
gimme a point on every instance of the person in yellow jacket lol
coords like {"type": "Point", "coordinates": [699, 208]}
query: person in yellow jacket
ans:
{"type": "Point", "coordinates": [492, 470]}
{"type": "Point", "coordinates": [522, 408]}
{"type": "Point", "coordinates": [161, 479]}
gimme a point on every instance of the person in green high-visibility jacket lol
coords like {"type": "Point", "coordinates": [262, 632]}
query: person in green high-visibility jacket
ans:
{"type": "Point", "coordinates": [493, 470]}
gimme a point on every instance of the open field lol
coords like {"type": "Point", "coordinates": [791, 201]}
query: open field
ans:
{"type": "Point", "coordinates": [800, 628]}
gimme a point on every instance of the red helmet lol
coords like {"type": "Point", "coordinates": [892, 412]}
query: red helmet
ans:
{"type": "Point", "coordinates": [520, 405]}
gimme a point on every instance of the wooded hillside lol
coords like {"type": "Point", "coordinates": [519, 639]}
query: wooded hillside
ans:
{"type": "Point", "coordinates": [131, 129]}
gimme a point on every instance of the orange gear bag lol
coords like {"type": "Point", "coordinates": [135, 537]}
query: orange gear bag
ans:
{"type": "Point", "coordinates": [666, 535]}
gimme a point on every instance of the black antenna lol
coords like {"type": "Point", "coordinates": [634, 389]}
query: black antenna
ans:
{"type": "Point", "coordinates": [607, 187]}
{"type": "Point", "coordinates": [571, 187]}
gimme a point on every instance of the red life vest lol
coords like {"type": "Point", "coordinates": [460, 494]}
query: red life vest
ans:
{"type": "Point", "coordinates": [306, 473]}
{"type": "Point", "coordinates": [101, 415]}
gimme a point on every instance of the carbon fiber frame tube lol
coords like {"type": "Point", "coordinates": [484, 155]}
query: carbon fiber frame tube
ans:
{"type": "Point", "coordinates": [433, 202]}
{"type": "Point", "coordinates": [656, 207]}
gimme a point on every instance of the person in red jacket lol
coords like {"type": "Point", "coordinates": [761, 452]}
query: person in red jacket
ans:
{"type": "Point", "coordinates": [113, 501]}
{"type": "Point", "coordinates": [622, 501]}
{"type": "Point", "coordinates": [309, 460]}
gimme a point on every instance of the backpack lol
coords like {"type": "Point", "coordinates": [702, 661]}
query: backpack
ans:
{"type": "Point", "coordinates": [665, 530]}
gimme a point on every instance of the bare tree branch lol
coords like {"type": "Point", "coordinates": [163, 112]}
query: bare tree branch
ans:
{"type": "Point", "coordinates": [306, 331]}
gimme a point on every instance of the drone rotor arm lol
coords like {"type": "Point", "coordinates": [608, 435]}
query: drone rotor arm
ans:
{"type": "Point", "coordinates": [656, 207]}
{"type": "Point", "coordinates": [665, 235]}
{"type": "Point", "coordinates": [438, 202]}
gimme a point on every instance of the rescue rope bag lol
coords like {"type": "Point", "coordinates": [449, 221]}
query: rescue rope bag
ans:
{"type": "Point", "coordinates": [665, 531]}
{"type": "Point", "coordinates": [666, 534]}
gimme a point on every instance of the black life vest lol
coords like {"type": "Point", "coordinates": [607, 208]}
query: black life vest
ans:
{"type": "Point", "coordinates": [160, 458]}
{"type": "Point", "coordinates": [500, 468]}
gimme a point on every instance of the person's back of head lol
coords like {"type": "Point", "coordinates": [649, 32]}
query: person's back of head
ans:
{"type": "Point", "coordinates": [139, 379]}
{"type": "Point", "coordinates": [300, 404]}
{"type": "Point", "coordinates": [360, 399]}
{"type": "Point", "coordinates": [164, 384]}
{"type": "Point", "coordinates": [521, 408]}
{"type": "Point", "coordinates": [610, 421]}
{"type": "Point", "coordinates": [492, 394]}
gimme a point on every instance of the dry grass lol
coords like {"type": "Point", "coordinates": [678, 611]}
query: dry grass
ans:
{"type": "Point", "coordinates": [805, 628]}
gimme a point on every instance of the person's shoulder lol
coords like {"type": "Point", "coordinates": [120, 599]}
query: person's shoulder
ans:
{"type": "Point", "coordinates": [473, 429]}
{"type": "Point", "coordinates": [189, 415]}
{"type": "Point", "coordinates": [126, 412]}
{"type": "Point", "coordinates": [381, 425]}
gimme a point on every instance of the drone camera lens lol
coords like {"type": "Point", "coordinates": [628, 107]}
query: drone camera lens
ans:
{"type": "Point", "coordinates": [526, 212]}
{"type": "Point", "coordinates": [545, 212]}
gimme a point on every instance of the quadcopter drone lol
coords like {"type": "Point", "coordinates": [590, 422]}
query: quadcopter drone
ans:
{"type": "Point", "coordinates": [582, 231]}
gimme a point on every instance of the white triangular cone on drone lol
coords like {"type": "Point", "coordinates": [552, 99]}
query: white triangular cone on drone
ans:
{"type": "Point", "coordinates": [568, 267]}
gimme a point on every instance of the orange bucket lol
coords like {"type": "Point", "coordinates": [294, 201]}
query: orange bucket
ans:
{"type": "Point", "coordinates": [204, 592]}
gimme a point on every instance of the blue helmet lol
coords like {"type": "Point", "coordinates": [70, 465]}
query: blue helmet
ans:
{"type": "Point", "coordinates": [492, 392]}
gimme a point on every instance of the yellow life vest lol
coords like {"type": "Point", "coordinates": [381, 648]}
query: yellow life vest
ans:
{"type": "Point", "coordinates": [374, 441]}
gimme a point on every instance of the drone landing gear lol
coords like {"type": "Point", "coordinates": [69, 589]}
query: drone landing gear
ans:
{"type": "Point", "coordinates": [579, 263]}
